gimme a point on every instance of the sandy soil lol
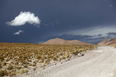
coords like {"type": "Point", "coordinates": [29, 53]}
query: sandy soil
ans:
{"type": "Point", "coordinates": [100, 62]}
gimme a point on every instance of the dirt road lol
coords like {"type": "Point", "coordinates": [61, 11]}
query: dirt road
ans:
{"type": "Point", "coordinates": [95, 63]}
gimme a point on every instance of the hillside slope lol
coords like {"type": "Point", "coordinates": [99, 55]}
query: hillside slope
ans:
{"type": "Point", "coordinates": [65, 42]}
{"type": "Point", "coordinates": [108, 42]}
{"type": "Point", "coordinates": [104, 42]}
{"type": "Point", "coordinates": [112, 42]}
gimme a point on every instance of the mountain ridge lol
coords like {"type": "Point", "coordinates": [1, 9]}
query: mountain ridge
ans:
{"type": "Point", "coordinates": [59, 41]}
{"type": "Point", "coordinates": [108, 42]}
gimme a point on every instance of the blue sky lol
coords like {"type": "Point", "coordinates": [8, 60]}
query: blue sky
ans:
{"type": "Point", "coordinates": [36, 21]}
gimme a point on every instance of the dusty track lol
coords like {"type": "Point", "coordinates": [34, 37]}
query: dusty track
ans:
{"type": "Point", "coordinates": [96, 63]}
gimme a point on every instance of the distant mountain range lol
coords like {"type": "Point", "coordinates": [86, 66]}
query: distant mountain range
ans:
{"type": "Point", "coordinates": [59, 41]}
{"type": "Point", "coordinates": [108, 42]}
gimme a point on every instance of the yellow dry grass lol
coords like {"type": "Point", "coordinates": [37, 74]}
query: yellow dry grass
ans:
{"type": "Point", "coordinates": [17, 56]}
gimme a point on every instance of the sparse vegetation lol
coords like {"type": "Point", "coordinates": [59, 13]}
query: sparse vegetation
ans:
{"type": "Point", "coordinates": [2, 73]}
{"type": "Point", "coordinates": [10, 67]}
{"type": "Point", "coordinates": [22, 71]}
{"type": "Point", "coordinates": [17, 57]}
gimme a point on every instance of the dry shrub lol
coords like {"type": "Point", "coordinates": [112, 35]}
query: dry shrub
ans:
{"type": "Point", "coordinates": [10, 67]}
{"type": "Point", "coordinates": [0, 66]}
{"type": "Point", "coordinates": [4, 63]}
{"type": "Point", "coordinates": [2, 73]}
{"type": "Point", "coordinates": [5, 72]}
{"type": "Point", "coordinates": [21, 71]}
{"type": "Point", "coordinates": [13, 73]}
{"type": "Point", "coordinates": [26, 71]}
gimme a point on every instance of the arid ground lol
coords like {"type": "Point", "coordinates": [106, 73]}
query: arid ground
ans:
{"type": "Point", "coordinates": [100, 62]}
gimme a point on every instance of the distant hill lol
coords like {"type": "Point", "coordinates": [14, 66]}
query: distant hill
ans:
{"type": "Point", "coordinates": [104, 42]}
{"type": "Point", "coordinates": [59, 41]}
{"type": "Point", "coordinates": [108, 42]}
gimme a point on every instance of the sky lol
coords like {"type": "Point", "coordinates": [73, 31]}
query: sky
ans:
{"type": "Point", "coordinates": [36, 21]}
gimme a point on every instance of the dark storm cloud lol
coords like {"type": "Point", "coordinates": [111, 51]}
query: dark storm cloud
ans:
{"type": "Point", "coordinates": [54, 23]}
{"type": "Point", "coordinates": [111, 35]}
{"type": "Point", "coordinates": [81, 14]}
{"type": "Point", "coordinates": [72, 19]}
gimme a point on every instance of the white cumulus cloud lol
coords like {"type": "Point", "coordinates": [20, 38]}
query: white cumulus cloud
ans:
{"type": "Point", "coordinates": [17, 33]}
{"type": "Point", "coordinates": [25, 17]}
